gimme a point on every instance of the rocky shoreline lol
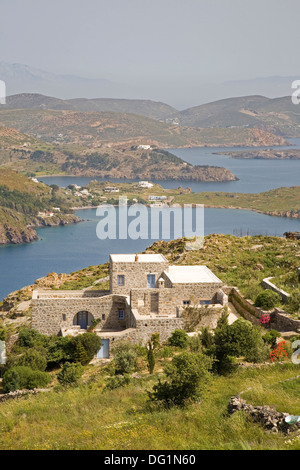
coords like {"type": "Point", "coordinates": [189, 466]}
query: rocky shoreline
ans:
{"type": "Point", "coordinates": [13, 235]}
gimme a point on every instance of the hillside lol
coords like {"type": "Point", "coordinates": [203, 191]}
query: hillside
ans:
{"type": "Point", "coordinates": [278, 115]}
{"type": "Point", "coordinates": [22, 201]}
{"type": "Point", "coordinates": [148, 108]}
{"type": "Point", "coordinates": [92, 129]}
{"type": "Point", "coordinates": [281, 202]}
{"type": "Point", "coordinates": [266, 154]}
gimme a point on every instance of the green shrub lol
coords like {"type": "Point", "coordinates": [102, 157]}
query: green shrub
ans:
{"type": "Point", "coordinates": [293, 305]}
{"type": "Point", "coordinates": [195, 343]}
{"type": "Point", "coordinates": [179, 338]}
{"type": "Point", "coordinates": [2, 334]}
{"type": "Point", "coordinates": [267, 299]}
{"type": "Point", "coordinates": [187, 376]}
{"type": "Point", "coordinates": [117, 382]}
{"type": "Point", "coordinates": [125, 358]}
{"type": "Point", "coordinates": [59, 351]}
{"type": "Point", "coordinates": [33, 359]}
{"type": "Point", "coordinates": [91, 343]}
{"type": "Point", "coordinates": [70, 374]}
{"type": "Point", "coordinates": [31, 338]}
{"type": "Point", "coordinates": [150, 357]}
{"type": "Point", "coordinates": [21, 377]}
{"type": "Point", "coordinates": [80, 355]}
{"type": "Point", "coordinates": [270, 337]}
{"type": "Point", "coordinates": [240, 339]}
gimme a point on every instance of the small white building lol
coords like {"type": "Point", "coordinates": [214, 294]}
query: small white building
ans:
{"type": "Point", "coordinates": [145, 184]}
{"type": "Point", "coordinates": [144, 147]}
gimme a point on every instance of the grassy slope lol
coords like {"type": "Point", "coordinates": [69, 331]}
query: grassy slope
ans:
{"type": "Point", "coordinates": [90, 128]}
{"type": "Point", "coordinates": [278, 201]}
{"type": "Point", "coordinates": [240, 261]}
{"type": "Point", "coordinates": [86, 418]}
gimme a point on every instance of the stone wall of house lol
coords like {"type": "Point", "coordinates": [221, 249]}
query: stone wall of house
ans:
{"type": "Point", "coordinates": [169, 298]}
{"type": "Point", "coordinates": [51, 315]}
{"type": "Point", "coordinates": [209, 316]}
{"type": "Point", "coordinates": [135, 274]}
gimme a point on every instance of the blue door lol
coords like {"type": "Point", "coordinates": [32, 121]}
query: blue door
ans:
{"type": "Point", "coordinates": [151, 281]}
{"type": "Point", "coordinates": [82, 320]}
{"type": "Point", "coordinates": [103, 353]}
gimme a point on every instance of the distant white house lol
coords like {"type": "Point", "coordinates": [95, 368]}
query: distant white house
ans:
{"type": "Point", "coordinates": [111, 189]}
{"type": "Point", "coordinates": [157, 198]}
{"type": "Point", "coordinates": [144, 147]}
{"type": "Point", "coordinates": [145, 184]}
{"type": "Point", "coordinates": [35, 180]}
{"type": "Point", "coordinates": [46, 214]}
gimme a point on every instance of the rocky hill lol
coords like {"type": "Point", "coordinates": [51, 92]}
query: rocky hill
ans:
{"type": "Point", "coordinates": [278, 115]}
{"type": "Point", "coordinates": [24, 205]}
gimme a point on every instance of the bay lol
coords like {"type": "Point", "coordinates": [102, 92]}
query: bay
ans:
{"type": "Point", "coordinates": [70, 248]}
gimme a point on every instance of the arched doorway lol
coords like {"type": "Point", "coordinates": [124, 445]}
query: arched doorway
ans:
{"type": "Point", "coordinates": [83, 319]}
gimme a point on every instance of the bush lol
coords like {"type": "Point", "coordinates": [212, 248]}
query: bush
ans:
{"type": "Point", "coordinates": [70, 374]}
{"type": "Point", "coordinates": [21, 377]}
{"type": "Point", "coordinates": [2, 334]}
{"type": "Point", "coordinates": [80, 355]}
{"type": "Point", "coordinates": [33, 359]}
{"type": "Point", "coordinates": [91, 343]}
{"type": "Point", "coordinates": [31, 338]}
{"type": "Point", "coordinates": [270, 337]}
{"type": "Point", "coordinates": [125, 358]}
{"type": "Point", "coordinates": [179, 338]}
{"type": "Point", "coordinates": [267, 299]}
{"type": "Point", "coordinates": [186, 378]}
{"type": "Point", "coordinates": [150, 357]}
{"type": "Point", "coordinates": [117, 382]}
{"type": "Point", "coordinates": [240, 339]}
{"type": "Point", "coordinates": [59, 351]}
{"type": "Point", "coordinates": [125, 362]}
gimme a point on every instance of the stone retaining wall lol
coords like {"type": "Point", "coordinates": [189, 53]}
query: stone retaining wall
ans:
{"type": "Point", "coordinates": [280, 320]}
{"type": "Point", "coordinates": [267, 284]}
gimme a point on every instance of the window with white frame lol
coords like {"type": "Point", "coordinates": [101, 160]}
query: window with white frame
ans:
{"type": "Point", "coordinates": [121, 280]}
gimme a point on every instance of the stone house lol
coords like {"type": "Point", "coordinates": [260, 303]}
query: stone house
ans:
{"type": "Point", "coordinates": [146, 296]}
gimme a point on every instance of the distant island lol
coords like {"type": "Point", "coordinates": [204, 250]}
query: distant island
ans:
{"type": "Point", "coordinates": [265, 154]}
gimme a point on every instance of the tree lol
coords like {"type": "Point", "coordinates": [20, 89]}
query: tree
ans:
{"type": "Point", "coordinates": [179, 338]}
{"type": "Point", "coordinates": [150, 357]}
{"type": "Point", "coordinates": [80, 354]}
{"type": "Point", "coordinates": [91, 343]}
{"type": "Point", "coordinates": [240, 339]}
{"type": "Point", "coordinates": [187, 376]}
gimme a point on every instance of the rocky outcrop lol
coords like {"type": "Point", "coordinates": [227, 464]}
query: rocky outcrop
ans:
{"type": "Point", "coordinates": [19, 232]}
{"type": "Point", "coordinates": [267, 416]}
{"type": "Point", "coordinates": [10, 234]}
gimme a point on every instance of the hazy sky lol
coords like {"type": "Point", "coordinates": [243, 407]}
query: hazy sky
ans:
{"type": "Point", "coordinates": [157, 42]}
